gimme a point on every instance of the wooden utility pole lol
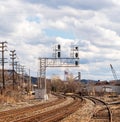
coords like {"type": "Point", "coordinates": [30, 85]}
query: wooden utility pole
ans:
{"type": "Point", "coordinates": [22, 70]}
{"type": "Point", "coordinates": [29, 81]}
{"type": "Point", "coordinates": [13, 57]}
{"type": "Point", "coordinates": [16, 67]}
{"type": "Point", "coordinates": [19, 75]}
{"type": "Point", "coordinates": [3, 49]}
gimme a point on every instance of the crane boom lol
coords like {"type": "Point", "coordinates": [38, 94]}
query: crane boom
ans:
{"type": "Point", "coordinates": [113, 72]}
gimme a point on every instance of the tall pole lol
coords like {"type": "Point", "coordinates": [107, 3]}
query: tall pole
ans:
{"type": "Point", "coordinates": [13, 57]}
{"type": "Point", "coordinates": [19, 76]}
{"type": "Point", "coordinates": [29, 81]}
{"type": "Point", "coordinates": [3, 46]}
{"type": "Point", "coordinates": [16, 66]}
{"type": "Point", "coordinates": [22, 70]}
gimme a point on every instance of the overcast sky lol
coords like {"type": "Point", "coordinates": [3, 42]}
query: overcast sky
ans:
{"type": "Point", "coordinates": [33, 27]}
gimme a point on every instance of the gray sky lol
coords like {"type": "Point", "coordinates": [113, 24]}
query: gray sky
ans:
{"type": "Point", "coordinates": [33, 27]}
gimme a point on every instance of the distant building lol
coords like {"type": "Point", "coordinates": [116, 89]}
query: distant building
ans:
{"type": "Point", "coordinates": [107, 89]}
{"type": "Point", "coordinates": [104, 87]}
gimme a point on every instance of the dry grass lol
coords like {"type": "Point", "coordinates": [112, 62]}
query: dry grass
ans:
{"type": "Point", "coordinates": [11, 96]}
{"type": "Point", "coordinates": [6, 99]}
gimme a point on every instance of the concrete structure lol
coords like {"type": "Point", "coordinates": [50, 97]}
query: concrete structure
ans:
{"type": "Point", "coordinates": [40, 94]}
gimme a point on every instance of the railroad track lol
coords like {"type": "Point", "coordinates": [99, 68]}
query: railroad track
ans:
{"type": "Point", "coordinates": [41, 113]}
{"type": "Point", "coordinates": [115, 108]}
{"type": "Point", "coordinates": [104, 113]}
{"type": "Point", "coordinates": [54, 115]}
{"type": "Point", "coordinates": [10, 115]}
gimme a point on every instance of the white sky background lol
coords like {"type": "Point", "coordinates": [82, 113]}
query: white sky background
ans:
{"type": "Point", "coordinates": [32, 27]}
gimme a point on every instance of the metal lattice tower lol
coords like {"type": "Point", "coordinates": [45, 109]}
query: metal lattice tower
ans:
{"type": "Point", "coordinates": [42, 72]}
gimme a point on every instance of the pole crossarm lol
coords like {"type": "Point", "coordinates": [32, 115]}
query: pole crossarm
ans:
{"type": "Point", "coordinates": [61, 62]}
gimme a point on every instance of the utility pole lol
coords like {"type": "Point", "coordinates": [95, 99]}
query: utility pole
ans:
{"type": "Point", "coordinates": [13, 58]}
{"type": "Point", "coordinates": [22, 70]}
{"type": "Point", "coordinates": [29, 81]}
{"type": "Point", "coordinates": [3, 49]}
{"type": "Point", "coordinates": [19, 75]}
{"type": "Point", "coordinates": [16, 67]}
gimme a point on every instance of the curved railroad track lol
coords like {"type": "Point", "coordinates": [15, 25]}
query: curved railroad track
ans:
{"type": "Point", "coordinates": [54, 115]}
{"type": "Point", "coordinates": [115, 108]}
{"type": "Point", "coordinates": [104, 113]}
{"type": "Point", "coordinates": [11, 115]}
{"type": "Point", "coordinates": [41, 113]}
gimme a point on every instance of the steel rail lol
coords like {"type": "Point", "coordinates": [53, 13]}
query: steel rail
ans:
{"type": "Point", "coordinates": [17, 113]}
{"type": "Point", "coordinates": [97, 101]}
{"type": "Point", "coordinates": [53, 115]}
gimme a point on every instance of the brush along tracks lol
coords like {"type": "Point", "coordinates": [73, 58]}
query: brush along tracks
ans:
{"type": "Point", "coordinates": [36, 113]}
{"type": "Point", "coordinates": [102, 113]}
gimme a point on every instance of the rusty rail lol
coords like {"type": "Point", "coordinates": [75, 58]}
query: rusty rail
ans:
{"type": "Point", "coordinates": [106, 108]}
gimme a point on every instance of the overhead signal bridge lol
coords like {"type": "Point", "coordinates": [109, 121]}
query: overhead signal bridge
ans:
{"type": "Point", "coordinates": [58, 61]}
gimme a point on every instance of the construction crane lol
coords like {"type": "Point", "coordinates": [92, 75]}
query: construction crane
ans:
{"type": "Point", "coordinates": [113, 72]}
